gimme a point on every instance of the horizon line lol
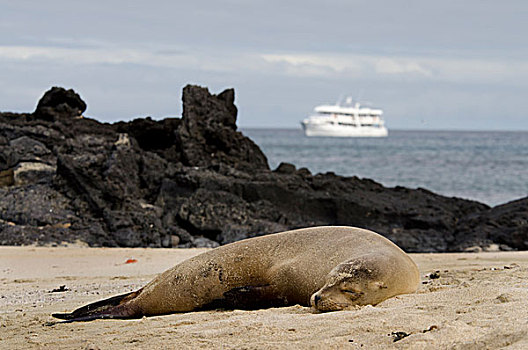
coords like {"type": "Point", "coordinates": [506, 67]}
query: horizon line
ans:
{"type": "Point", "coordinates": [393, 129]}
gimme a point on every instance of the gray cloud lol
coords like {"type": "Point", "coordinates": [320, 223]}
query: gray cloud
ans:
{"type": "Point", "coordinates": [429, 64]}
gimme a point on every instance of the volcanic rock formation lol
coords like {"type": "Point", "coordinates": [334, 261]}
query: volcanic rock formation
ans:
{"type": "Point", "coordinates": [197, 181]}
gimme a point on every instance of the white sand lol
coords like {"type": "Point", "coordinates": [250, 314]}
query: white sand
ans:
{"type": "Point", "coordinates": [479, 301]}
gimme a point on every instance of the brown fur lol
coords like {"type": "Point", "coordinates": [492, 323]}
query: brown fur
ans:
{"type": "Point", "coordinates": [279, 269]}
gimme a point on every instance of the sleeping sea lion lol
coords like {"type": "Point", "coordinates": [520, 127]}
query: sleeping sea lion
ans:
{"type": "Point", "coordinates": [330, 268]}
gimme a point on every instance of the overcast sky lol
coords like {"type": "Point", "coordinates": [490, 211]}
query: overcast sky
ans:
{"type": "Point", "coordinates": [427, 64]}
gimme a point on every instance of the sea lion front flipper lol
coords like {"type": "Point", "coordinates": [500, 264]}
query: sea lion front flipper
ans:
{"type": "Point", "coordinates": [114, 307]}
{"type": "Point", "coordinates": [248, 298]}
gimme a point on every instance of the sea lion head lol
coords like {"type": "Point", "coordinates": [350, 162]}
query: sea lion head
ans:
{"type": "Point", "coordinates": [348, 285]}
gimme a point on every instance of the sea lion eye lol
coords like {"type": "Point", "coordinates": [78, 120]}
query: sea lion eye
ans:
{"type": "Point", "coordinates": [351, 293]}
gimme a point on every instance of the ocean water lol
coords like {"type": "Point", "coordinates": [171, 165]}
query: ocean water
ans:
{"type": "Point", "coordinates": [490, 167]}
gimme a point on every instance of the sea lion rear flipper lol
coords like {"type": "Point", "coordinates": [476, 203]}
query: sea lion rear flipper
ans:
{"type": "Point", "coordinates": [114, 307]}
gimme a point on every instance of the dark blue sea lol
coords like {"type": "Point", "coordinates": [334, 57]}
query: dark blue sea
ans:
{"type": "Point", "coordinates": [490, 167]}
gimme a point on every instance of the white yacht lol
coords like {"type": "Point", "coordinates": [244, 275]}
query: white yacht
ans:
{"type": "Point", "coordinates": [346, 119]}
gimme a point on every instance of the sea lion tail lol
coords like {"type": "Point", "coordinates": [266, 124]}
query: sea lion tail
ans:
{"type": "Point", "coordinates": [114, 307]}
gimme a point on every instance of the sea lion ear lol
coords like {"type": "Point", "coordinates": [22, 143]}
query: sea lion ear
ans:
{"type": "Point", "coordinates": [379, 285]}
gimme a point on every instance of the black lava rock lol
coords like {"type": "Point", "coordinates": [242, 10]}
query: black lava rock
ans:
{"type": "Point", "coordinates": [59, 103]}
{"type": "Point", "coordinates": [197, 181]}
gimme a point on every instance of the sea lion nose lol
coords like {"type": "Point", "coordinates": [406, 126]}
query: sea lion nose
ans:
{"type": "Point", "coordinates": [316, 299]}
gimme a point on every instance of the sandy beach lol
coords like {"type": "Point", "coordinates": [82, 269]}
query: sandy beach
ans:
{"type": "Point", "coordinates": [465, 301]}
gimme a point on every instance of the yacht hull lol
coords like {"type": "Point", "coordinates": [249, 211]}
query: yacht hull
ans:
{"type": "Point", "coordinates": [334, 130]}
